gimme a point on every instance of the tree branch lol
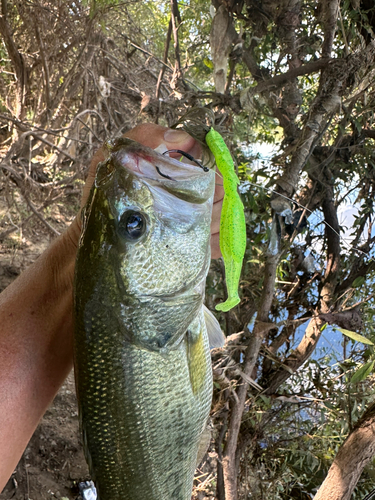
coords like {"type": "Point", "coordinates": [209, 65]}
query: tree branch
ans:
{"type": "Point", "coordinates": [299, 355]}
{"type": "Point", "coordinates": [16, 58]}
{"type": "Point", "coordinates": [330, 14]}
{"type": "Point", "coordinates": [165, 59]}
{"type": "Point", "coordinates": [331, 273]}
{"type": "Point", "coordinates": [251, 356]}
{"type": "Point", "coordinates": [276, 81]}
{"type": "Point", "coordinates": [176, 20]}
{"type": "Point", "coordinates": [356, 452]}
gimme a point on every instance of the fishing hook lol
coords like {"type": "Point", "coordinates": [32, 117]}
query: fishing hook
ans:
{"type": "Point", "coordinates": [189, 157]}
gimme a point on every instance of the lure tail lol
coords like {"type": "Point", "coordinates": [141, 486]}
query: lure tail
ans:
{"type": "Point", "coordinates": [232, 222]}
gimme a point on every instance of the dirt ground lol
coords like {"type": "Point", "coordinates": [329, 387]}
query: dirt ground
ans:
{"type": "Point", "coordinates": [53, 463]}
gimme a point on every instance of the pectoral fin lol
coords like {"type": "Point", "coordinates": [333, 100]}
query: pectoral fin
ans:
{"type": "Point", "coordinates": [215, 334]}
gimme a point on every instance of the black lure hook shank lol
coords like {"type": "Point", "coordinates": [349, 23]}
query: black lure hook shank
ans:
{"type": "Point", "coordinates": [189, 157]}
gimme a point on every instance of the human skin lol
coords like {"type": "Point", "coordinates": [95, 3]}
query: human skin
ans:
{"type": "Point", "coordinates": [36, 318]}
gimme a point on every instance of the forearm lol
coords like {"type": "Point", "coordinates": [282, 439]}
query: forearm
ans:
{"type": "Point", "coordinates": [36, 345]}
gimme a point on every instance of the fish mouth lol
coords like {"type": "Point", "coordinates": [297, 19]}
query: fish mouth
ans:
{"type": "Point", "coordinates": [149, 164]}
{"type": "Point", "coordinates": [179, 190]}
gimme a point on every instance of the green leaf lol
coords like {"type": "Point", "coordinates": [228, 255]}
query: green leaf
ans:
{"type": "Point", "coordinates": [265, 399]}
{"type": "Point", "coordinates": [324, 327]}
{"type": "Point", "coordinates": [362, 372]}
{"type": "Point", "coordinates": [208, 63]}
{"type": "Point", "coordinates": [358, 282]}
{"type": "Point", "coordinates": [329, 405]}
{"type": "Point", "coordinates": [355, 336]}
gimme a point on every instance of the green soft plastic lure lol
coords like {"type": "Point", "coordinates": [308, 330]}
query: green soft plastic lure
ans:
{"type": "Point", "coordinates": [232, 221]}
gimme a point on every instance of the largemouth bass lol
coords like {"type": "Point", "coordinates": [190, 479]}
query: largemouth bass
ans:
{"type": "Point", "coordinates": [142, 359]}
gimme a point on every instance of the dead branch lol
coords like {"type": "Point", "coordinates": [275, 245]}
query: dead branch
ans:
{"type": "Point", "coordinates": [44, 62]}
{"type": "Point", "coordinates": [165, 59]}
{"type": "Point", "coordinates": [45, 204]}
{"type": "Point", "coordinates": [16, 58]}
{"type": "Point", "coordinates": [40, 216]}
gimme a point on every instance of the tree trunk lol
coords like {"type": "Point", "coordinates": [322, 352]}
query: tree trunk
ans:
{"type": "Point", "coordinates": [353, 456]}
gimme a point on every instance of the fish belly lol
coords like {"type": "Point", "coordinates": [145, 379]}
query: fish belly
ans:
{"type": "Point", "coordinates": [142, 414]}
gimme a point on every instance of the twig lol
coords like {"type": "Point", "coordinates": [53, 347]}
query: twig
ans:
{"type": "Point", "coordinates": [40, 216]}
{"type": "Point", "coordinates": [149, 54]}
{"type": "Point", "coordinates": [44, 62]}
{"type": "Point", "coordinates": [41, 139]}
{"type": "Point", "coordinates": [176, 19]}
{"type": "Point", "coordinates": [165, 59]}
{"type": "Point", "coordinates": [7, 232]}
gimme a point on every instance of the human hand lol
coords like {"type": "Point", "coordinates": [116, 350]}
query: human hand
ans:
{"type": "Point", "coordinates": [152, 135]}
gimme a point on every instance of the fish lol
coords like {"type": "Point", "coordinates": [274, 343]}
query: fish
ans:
{"type": "Point", "coordinates": [142, 334]}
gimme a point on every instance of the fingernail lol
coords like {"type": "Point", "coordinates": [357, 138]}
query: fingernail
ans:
{"type": "Point", "coordinates": [175, 135]}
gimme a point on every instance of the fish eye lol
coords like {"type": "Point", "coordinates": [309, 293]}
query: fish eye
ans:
{"type": "Point", "coordinates": [132, 225]}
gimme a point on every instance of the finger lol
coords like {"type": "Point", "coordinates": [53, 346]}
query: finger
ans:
{"type": "Point", "coordinates": [152, 135]}
{"type": "Point", "coordinates": [215, 246]}
{"type": "Point", "coordinates": [219, 188]}
{"type": "Point", "coordinates": [216, 214]}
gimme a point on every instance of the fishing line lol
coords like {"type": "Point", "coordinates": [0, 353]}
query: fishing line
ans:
{"type": "Point", "coordinates": [320, 221]}
{"type": "Point", "coordinates": [206, 169]}
{"type": "Point", "coordinates": [348, 246]}
{"type": "Point", "coordinates": [194, 116]}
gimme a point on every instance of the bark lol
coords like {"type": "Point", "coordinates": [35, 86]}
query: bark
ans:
{"type": "Point", "coordinates": [16, 58]}
{"type": "Point", "coordinates": [222, 36]}
{"type": "Point", "coordinates": [350, 319]}
{"type": "Point", "coordinates": [330, 14]}
{"type": "Point", "coordinates": [356, 452]}
{"type": "Point", "coordinates": [337, 77]}
{"type": "Point", "coordinates": [175, 20]}
{"type": "Point", "coordinates": [165, 59]}
{"type": "Point", "coordinates": [329, 283]}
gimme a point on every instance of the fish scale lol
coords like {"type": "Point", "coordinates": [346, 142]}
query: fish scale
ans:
{"type": "Point", "coordinates": [149, 393]}
{"type": "Point", "coordinates": [142, 359]}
